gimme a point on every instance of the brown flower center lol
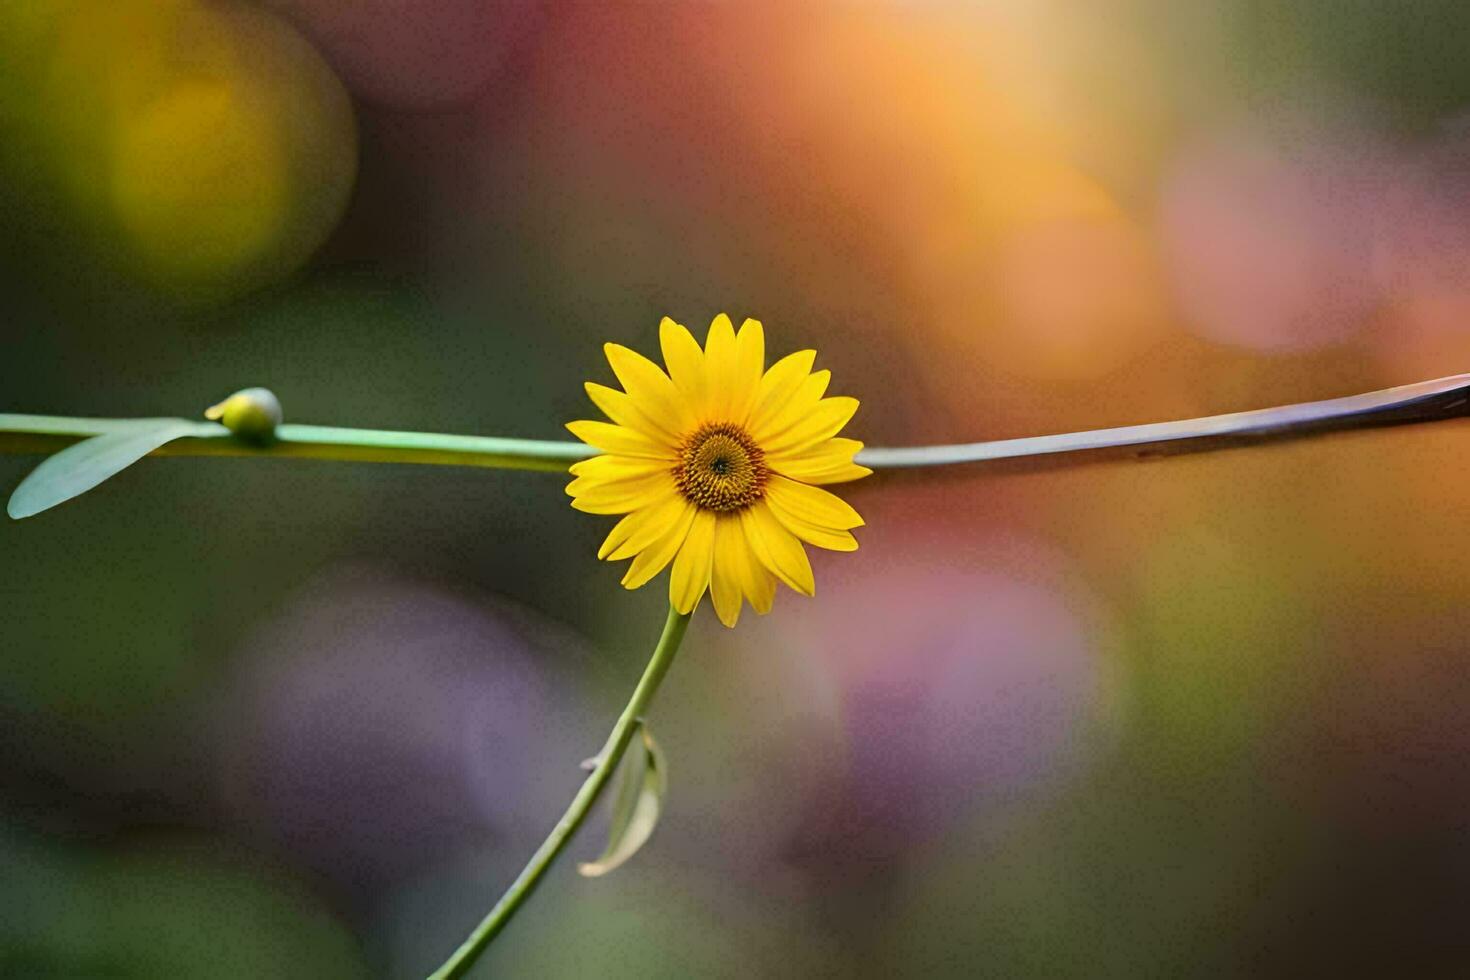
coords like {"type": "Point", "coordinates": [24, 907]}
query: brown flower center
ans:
{"type": "Point", "coordinates": [721, 468]}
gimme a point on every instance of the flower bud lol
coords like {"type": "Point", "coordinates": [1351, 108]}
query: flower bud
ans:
{"type": "Point", "coordinates": [251, 414]}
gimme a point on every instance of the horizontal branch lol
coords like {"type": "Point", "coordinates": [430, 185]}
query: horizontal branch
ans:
{"type": "Point", "coordinates": [1422, 402]}
{"type": "Point", "coordinates": [49, 433]}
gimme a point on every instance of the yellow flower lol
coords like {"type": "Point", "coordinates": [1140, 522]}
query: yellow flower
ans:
{"type": "Point", "coordinates": [715, 465]}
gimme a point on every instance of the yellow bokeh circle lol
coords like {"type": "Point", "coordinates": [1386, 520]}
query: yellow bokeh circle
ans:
{"type": "Point", "coordinates": [200, 183]}
{"type": "Point", "coordinates": [206, 147]}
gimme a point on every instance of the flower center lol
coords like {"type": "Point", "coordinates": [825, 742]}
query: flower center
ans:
{"type": "Point", "coordinates": [721, 468]}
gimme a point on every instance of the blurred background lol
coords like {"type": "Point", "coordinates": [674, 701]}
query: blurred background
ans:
{"type": "Point", "coordinates": [1198, 717]}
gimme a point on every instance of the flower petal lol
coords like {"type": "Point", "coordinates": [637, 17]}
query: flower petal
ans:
{"type": "Point", "coordinates": [821, 423]}
{"type": "Point", "coordinates": [652, 559]}
{"type": "Point", "coordinates": [611, 467]}
{"type": "Point", "coordinates": [599, 482]}
{"type": "Point", "coordinates": [811, 504]}
{"type": "Point", "coordinates": [685, 361]}
{"type": "Point", "coordinates": [842, 473]}
{"type": "Point", "coordinates": [777, 548]}
{"type": "Point", "coordinates": [619, 439]}
{"type": "Point", "coordinates": [651, 390]}
{"type": "Point", "coordinates": [826, 462]}
{"type": "Point", "coordinates": [756, 581]}
{"type": "Point", "coordinates": [620, 407]}
{"type": "Point", "coordinates": [690, 576]}
{"type": "Point", "coordinates": [719, 366]}
{"type": "Point", "coordinates": [799, 406]}
{"type": "Point", "coordinates": [596, 496]}
{"type": "Point", "coordinates": [777, 386]}
{"type": "Point", "coordinates": [829, 538]}
{"type": "Point", "coordinates": [758, 584]}
{"type": "Point", "coordinates": [620, 533]}
{"type": "Point", "coordinates": [645, 526]}
{"type": "Point", "coordinates": [750, 362]}
{"type": "Point", "coordinates": [727, 576]}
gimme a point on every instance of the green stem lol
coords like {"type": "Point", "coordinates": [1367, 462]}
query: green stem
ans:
{"type": "Point", "coordinates": [49, 433]}
{"type": "Point", "coordinates": [561, 834]}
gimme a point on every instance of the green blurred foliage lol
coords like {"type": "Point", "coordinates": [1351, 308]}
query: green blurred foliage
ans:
{"type": "Point", "coordinates": [169, 910]}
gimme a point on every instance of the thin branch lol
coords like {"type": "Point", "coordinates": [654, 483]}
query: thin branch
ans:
{"type": "Point", "coordinates": [1425, 401]}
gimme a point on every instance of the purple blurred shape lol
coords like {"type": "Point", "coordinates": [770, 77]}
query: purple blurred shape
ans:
{"type": "Point", "coordinates": [963, 687]}
{"type": "Point", "coordinates": [1424, 228]}
{"type": "Point", "coordinates": [377, 725]}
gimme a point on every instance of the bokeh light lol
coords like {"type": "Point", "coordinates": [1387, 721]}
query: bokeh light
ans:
{"type": "Point", "coordinates": [203, 149]}
{"type": "Point", "coordinates": [995, 695]}
{"type": "Point", "coordinates": [1272, 244]}
{"type": "Point", "coordinates": [394, 736]}
{"type": "Point", "coordinates": [417, 55]}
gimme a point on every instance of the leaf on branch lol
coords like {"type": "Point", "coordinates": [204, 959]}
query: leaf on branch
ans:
{"type": "Point", "coordinates": [641, 791]}
{"type": "Point", "coordinates": [79, 468]}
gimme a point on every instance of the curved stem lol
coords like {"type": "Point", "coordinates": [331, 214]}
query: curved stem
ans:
{"type": "Point", "coordinates": [607, 763]}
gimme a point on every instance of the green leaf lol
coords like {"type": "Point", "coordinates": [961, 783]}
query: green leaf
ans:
{"type": "Point", "coordinates": [79, 468]}
{"type": "Point", "coordinates": [644, 784]}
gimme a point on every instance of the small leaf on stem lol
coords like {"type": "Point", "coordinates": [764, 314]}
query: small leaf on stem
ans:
{"type": "Point", "coordinates": [641, 791]}
{"type": "Point", "coordinates": [79, 468]}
